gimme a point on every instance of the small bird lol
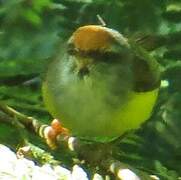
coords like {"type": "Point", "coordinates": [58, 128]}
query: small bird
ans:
{"type": "Point", "coordinates": [101, 85]}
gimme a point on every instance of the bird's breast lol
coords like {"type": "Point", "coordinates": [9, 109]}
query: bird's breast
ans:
{"type": "Point", "coordinates": [100, 105]}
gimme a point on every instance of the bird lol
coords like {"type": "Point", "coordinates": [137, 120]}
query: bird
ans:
{"type": "Point", "coordinates": [101, 84]}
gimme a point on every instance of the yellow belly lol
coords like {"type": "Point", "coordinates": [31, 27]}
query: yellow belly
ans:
{"type": "Point", "coordinates": [137, 110]}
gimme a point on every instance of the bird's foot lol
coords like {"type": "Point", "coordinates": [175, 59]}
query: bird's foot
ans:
{"type": "Point", "coordinates": [55, 130]}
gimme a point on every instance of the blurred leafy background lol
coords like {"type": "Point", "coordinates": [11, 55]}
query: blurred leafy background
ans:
{"type": "Point", "coordinates": [30, 31]}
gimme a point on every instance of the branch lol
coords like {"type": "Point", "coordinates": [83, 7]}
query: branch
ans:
{"type": "Point", "coordinates": [27, 121]}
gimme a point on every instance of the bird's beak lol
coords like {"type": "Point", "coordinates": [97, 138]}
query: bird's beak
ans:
{"type": "Point", "coordinates": [83, 65]}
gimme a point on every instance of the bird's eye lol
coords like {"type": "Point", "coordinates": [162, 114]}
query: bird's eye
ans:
{"type": "Point", "coordinates": [71, 49]}
{"type": "Point", "coordinates": [105, 56]}
{"type": "Point", "coordinates": [109, 57]}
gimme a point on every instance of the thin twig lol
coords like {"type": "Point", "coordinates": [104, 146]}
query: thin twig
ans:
{"type": "Point", "coordinates": [100, 19]}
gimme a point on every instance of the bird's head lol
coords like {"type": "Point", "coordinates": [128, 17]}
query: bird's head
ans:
{"type": "Point", "coordinates": [94, 44]}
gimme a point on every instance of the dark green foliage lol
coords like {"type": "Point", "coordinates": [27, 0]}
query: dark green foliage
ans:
{"type": "Point", "coordinates": [29, 33]}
